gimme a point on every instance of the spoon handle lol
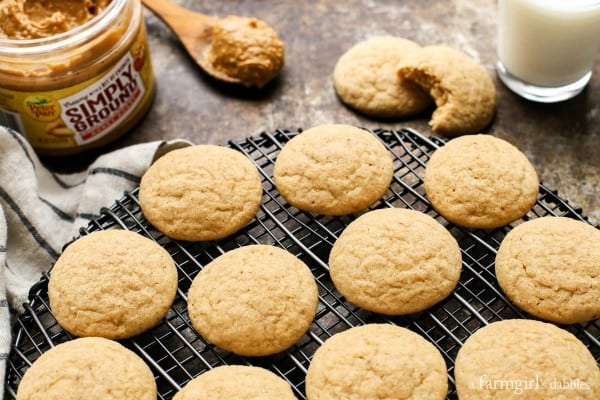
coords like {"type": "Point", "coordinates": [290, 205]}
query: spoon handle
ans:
{"type": "Point", "coordinates": [185, 23]}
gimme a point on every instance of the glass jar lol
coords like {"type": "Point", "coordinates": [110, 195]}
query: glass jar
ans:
{"type": "Point", "coordinates": [80, 89]}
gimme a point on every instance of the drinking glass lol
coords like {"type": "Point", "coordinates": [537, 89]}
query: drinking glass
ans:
{"type": "Point", "coordinates": [546, 48]}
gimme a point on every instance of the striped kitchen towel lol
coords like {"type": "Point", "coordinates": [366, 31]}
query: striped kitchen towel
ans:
{"type": "Point", "coordinates": [40, 211]}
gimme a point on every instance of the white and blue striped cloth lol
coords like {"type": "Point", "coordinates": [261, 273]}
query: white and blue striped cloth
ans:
{"type": "Point", "coordinates": [40, 211]}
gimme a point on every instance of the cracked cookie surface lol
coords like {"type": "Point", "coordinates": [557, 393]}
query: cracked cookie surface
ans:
{"type": "Point", "coordinates": [88, 368]}
{"type": "Point", "coordinates": [550, 267]}
{"type": "Point", "coordinates": [395, 261]}
{"type": "Point", "coordinates": [376, 361]}
{"type": "Point", "coordinates": [333, 169]}
{"type": "Point", "coordinates": [114, 284]}
{"type": "Point", "coordinates": [480, 181]}
{"type": "Point", "coordinates": [201, 192]}
{"type": "Point", "coordinates": [239, 382]}
{"type": "Point", "coordinates": [463, 90]}
{"type": "Point", "coordinates": [525, 359]}
{"type": "Point", "coordinates": [365, 78]}
{"type": "Point", "coordinates": [253, 301]}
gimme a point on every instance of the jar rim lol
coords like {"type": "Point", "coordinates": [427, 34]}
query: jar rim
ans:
{"type": "Point", "coordinates": [71, 37]}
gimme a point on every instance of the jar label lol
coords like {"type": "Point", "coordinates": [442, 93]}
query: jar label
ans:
{"type": "Point", "coordinates": [84, 113]}
{"type": "Point", "coordinates": [106, 103]}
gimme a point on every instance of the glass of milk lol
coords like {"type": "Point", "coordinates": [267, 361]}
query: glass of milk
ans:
{"type": "Point", "coordinates": [546, 48]}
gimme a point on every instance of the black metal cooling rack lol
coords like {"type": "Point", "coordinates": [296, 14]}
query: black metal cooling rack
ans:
{"type": "Point", "coordinates": [175, 351]}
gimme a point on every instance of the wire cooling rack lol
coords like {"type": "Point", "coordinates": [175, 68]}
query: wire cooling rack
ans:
{"type": "Point", "coordinates": [175, 351]}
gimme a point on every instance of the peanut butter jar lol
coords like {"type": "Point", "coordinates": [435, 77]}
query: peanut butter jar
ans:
{"type": "Point", "coordinates": [73, 78]}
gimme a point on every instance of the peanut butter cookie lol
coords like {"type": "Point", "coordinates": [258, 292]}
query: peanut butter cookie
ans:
{"type": "Point", "coordinates": [365, 78]}
{"type": "Point", "coordinates": [237, 382]}
{"type": "Point", "coordinates": [376, 361]}
{"type": "Point", "coordinates": [550, 267]}
{"type": "Point", "coordinates": [114, 284]}
{"type": "Point", "coordinates": [463, 91]}
{"type": "Point", "coordinates": [201, 192]}
{"type": "Point", "coordinates": [333, 169]}
{"type": "Point", "coordinates": [395, 261]}
{"type": "Point", "coordinates": [88, 368]}
{"type": "Point", "coordinates": [253, 301]}
{"type": "Point", "coordinates": [525, 359]}
{"type": "Point", "coordinates": [480, 181]}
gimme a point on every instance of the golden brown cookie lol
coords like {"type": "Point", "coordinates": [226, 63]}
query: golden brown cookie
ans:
{"type": "Point", "coordinates": [236, 382]}
{"type": "Point", "coordinates": [463, 90]}
{"type": "Point", "coordinates": [246, 49]}
{"type": "Point", "coordinates": [114, 284]}
{"type": "Point", "coordinates": [365, 78]}
{"type": "Point", "coordinates": [376, 361]}
{"type": "Point", "coordinates": [88, 368]}
{"type": "Point", "coordinates": [550, 267]}
{"type": "Point", "coordinates": [253, 301]}
{"type": "Point", "coordinates": [395, 261]}
{"type": "Point", "coordinates": [480, 181]}
{"type": "Point", "coordinates": [201, 192]}
{"type": "Point", "coordinates": [525, 359]}
{"type": "Point", "coordinates": [333, 169]}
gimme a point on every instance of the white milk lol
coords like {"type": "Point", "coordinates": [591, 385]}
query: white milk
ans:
{"type": "Point", "coordinates": [548, 42]}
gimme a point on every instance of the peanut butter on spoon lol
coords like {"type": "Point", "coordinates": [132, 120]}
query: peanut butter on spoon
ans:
{"type": "Point", "coordinates": [234, 49]}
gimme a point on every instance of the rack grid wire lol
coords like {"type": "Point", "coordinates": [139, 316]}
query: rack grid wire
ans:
{"type": "Point", "coordinates": [176, 353]}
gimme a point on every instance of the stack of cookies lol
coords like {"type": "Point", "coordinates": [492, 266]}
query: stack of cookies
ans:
{"type": "Point", "coordinates": [391, 77]}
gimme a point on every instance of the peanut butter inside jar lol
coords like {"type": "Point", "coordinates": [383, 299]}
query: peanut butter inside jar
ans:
{"type": "Point", "coordinates": [74, 74]}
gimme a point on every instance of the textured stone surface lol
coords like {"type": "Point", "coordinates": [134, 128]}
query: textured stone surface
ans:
{"type": "Point", "coordinates": [562, 140]}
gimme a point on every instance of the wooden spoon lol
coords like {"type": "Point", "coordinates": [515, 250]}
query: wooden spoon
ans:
{"type": "Point", "coordinates": [193, 29]}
